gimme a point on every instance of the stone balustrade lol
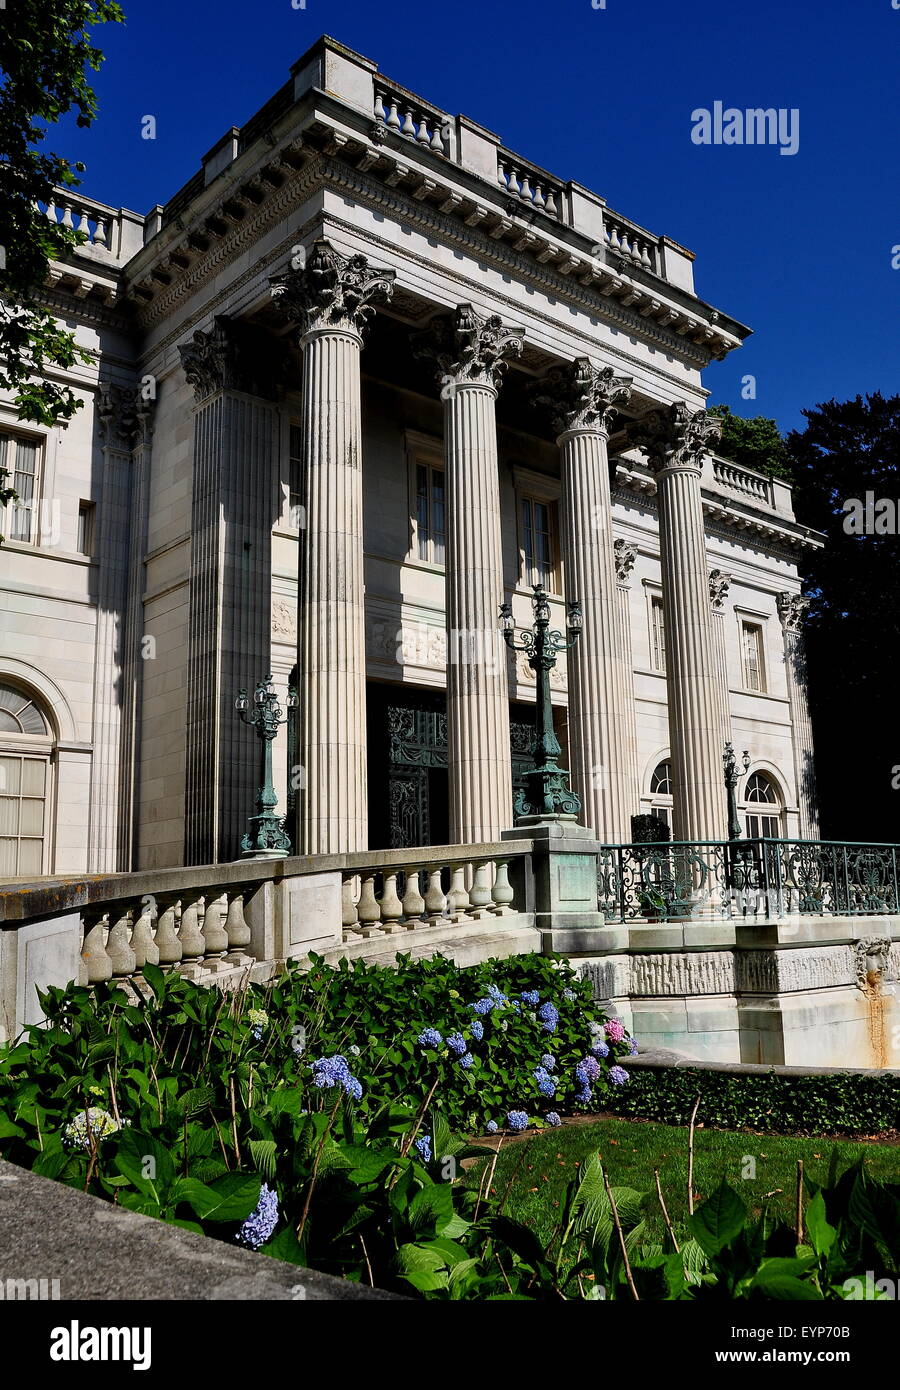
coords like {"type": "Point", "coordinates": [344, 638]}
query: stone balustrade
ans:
{"type": "Point", "coordinates": [742, 481]}
{"type": "Point", "coordinates": [111, 235]}
{"type": "Point", "coordinates": [529, 184]}
{"type": "Point", "coordinates": [432, 892]}
{"type": "Point", "coordinates": [627, 240]}
{"type": "Point", "coordinates": [407, 116]}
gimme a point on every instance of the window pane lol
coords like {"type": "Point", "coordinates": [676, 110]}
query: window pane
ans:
{"type": "Point", "coordinates": [31, 819]}
{"type": "Point", "coordinates": [9, 774]}
{"type": "Point", "coordinates": [7, 858]}
{"type": "Point", "coordinates": [9, 815]}
{"type": "Point", "coordinates": [33, 775]}
{"type": "Point", "coordinates": [31, 853]}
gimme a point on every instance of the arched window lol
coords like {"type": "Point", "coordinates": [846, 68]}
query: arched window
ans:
{"type": "Point", "coordinates": [661, 791]}
{"type": "Point", "coordinates": [763, 808]}
{"type": "Point", "coordinates": [26, 747]}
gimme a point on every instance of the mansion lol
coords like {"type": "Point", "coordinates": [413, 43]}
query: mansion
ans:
{"type": "Point", "coordinates": [366, 377]}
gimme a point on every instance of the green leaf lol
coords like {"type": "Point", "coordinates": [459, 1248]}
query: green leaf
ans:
{"type": "Point", "coordinates": [721, 1217]}
{"type": "Point", "coordinates": [145, 1162]}
{"type": "Point", "coordinates": [821, 1235]}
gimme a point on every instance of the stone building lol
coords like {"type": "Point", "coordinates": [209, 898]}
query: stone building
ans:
{"type": "Point", "coordinates": [367, 375]}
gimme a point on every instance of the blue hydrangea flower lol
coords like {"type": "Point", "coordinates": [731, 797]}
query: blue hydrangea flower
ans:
{"type": "Point", "coordinates": [353, 1088]}
{"type": "Point", "coordinates": [588, 1069]}
{"type": "Point", "coordinates": [517, 1120]}
{"type": "Point", "coordinates": [483, 1006]}
{"type": "Point", "coordinates": [546, 1084]}
{"type": "Point", "coordinates": [457, 1042]}
{"type": "Point", "coordinates": [491, 1126]}
{"type": "Point", "coordinates": [549, 1016]}
{"type": "Point", "coordinates": [531, 997]}
{"type": "Point", "coordinates": [334, 1071]}
{"type": "Point", "coordinates": [570, 995]}
{"type": "Point", "coordinates": [262, 1221]}
{"type": "Point", "coordinates": [548, 1061]}
{"type": "Point", "coordinates": [429, 1037]}
{"type": "Point", "coordinates": [497, 995]}
{"type": "Point", "coordinates": [477, 1030]}
{"type": "Point", "coordinates": [600, 1048]}
{"type": "Point", "coordinates": [632, 1047]}
{"type": "Point", "coordinates": [584, 1093]}
{"type": "Point", "coordinates": [90, 1128]}
{"type": "Point", "coordinates": [423, 1144]}
{"type": "Point", "coordinates": [595, 1029]}
{"type": "Point", "coordinates": [618, 1076]}
{"type": "Point", "coordinates": [553, 1119]}
{"type": "Point", "coordinates": [466, 1060]}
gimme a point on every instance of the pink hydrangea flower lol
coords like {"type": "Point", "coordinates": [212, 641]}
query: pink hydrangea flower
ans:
{"type": "Point", "coordinates": [614, 1030]}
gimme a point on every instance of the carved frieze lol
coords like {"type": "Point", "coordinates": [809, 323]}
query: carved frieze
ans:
{"type": "Point", "coordinates": [625, 556]}
{"type": "Point", "coordinates": [719, 584]}
{"type": "Point", "coordinates": [284, 620]}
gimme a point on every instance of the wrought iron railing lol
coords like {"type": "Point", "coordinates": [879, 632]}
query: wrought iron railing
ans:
{"type": "Point", "coordinates": [747, 879]}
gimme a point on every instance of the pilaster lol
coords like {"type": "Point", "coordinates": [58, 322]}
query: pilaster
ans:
{"type": "Point", "coordinates": [791, 611]}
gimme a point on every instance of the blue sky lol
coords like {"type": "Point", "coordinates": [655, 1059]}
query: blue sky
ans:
{"type": "Point", "coordinates": [798, 247]}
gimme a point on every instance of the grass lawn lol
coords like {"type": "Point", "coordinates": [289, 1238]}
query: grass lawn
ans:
{"type": "Point", "coordinates": [537, 1170]}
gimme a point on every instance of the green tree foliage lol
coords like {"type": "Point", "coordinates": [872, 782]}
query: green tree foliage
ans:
{"type": "Point", "coordinates": [753, 443]}
{"type": "Point", "coordinates": [848, 449]}
{"type": "Point", "coordinates": [45, 56]}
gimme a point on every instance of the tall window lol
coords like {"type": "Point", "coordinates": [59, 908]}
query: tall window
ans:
{"type": "Point", "coordinates": [752, 646]}
{"type": "Point", "coordinates": [85, 539]}
{"type": "Point", "coordinates": [539, 542]}
{"type": "Point", "coordinates": [431, 512]}
{"type": "Point", "coordinates": [657, 635]}
{"type": "Point", "coordinates": [21, 460]}
{"type": "Point", "coordinates": [661, 791]}
{"type": "Point", "coordinates": [763, 808]}
{"type": "Point", "coordinates": [24, 784]}
{"type": "Point", "coordinates": [296, 516]}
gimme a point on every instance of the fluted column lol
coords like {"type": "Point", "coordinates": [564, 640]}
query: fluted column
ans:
{"type": "Point", "coordinates": [329, 302]}
{"type": "Point", "coordinates": [625, 556]}
{"type": "Point", "coordinates": [471, 353]}
{"type": "Point", "coordinates": [791, 608]}
{"type": "Point", "coordinates": [122, 423]}
{"type": "Point", "coordinates": [234, 503]}
{"type": "Point", "coordinates": [583, 399]}
{"type": "Point", "coordinates": [675, 441]}
{"type": "Point", "coordinates": [719, 584]}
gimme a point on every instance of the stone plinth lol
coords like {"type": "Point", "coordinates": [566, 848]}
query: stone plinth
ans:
{"type": "Point", "coordinates": [564, 863]}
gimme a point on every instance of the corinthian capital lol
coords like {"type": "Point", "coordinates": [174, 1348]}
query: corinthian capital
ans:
{"type": "Point", "coordinates": [582, 396]}
{"type": "Point", "coordinates": [124, 414]}
{"type": "Point", "coordinates": [675, 435]}
{"type": "Point", "coordinates": [625, 556]}
{"type": "Point", "coordinates": [332, 291]}
{"type": "Point", "coordinates": [468, 347]}
{"type": "Point", "coordinates": [210, 360]}
{"type": "Point", "coordinates": [791, 610]}
{"type": "Point", "coordinates": [719, 584]}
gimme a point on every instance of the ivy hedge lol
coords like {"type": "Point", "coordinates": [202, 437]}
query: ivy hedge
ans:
{"type": "Point", "coordinates": [834, 1104]}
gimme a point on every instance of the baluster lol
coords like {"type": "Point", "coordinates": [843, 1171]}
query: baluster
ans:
{"type": "Point", "coordinates": [67, 216]}
{"type": "Point", "coordinates": [502, 891]}
{"type": "Point", "coordinates": [539, 201]}
{"type": "Point", "coordinates": [100, 233]}
{"type": "Point", "coordinates": [480, 894]}
{"type": "Point", "coordinates": [458, 897]}
{"type": "Point", "coordinates": [167, 942]}
{"type": "Point", "coordinates": [501, 173]}
{"type": "Point", "coordinates": [646, 261]}
{"type": "Point", "coordinates": [368, 908]}
{"type": "Point", "coordinates": [118, 947]}
{"type": "Point", "coordinates": [408, 128]}
{"type": "Point", "coordinates": [84, 225]}
{"type": "Point", "coordinates": [237, 929]}
{"type": "Point", "coordinates": [437, 140]}
{"type": "Point", "coordinates": [512, 182]}
{"type": "Point", "coordinates": [393, 120]}
{"type": "Point", "coordinates": [525, 191]}
{"type": "Point", "coordinates": [145, 948]}
{"type": "Point", "coordinates": [635, 249]}
{"type": "Point", "coordinates": [413, 902]}
{"type": "Point", "coordinates": [423, 137]}
{"type": "Point", "coordinates": [391, 906]}
{"type": "Point", "coordinates": [613, 238]}
{"type": "Point", "coordinates": [624, 243]}
{"type": "Point", "coordinates": [380, 113]}
{"type": "Point", "coordinates": [215, 937]}
{"type": "Point", "coordinates": [93, 952]}
{"type": "Point", "coordinates": [50, 214]}
{"type": "Point", "coordinates": [193, 945]}
{"type": "Point", "coordinates": [551, 203]}
{"type": "Point", "coordinates": [348, 908]}
{"type": "Point", "coordinates": [435, 900]}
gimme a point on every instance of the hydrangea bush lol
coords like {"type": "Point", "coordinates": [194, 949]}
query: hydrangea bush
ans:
{"type": "Point", "coordinates": [520, 1035]}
